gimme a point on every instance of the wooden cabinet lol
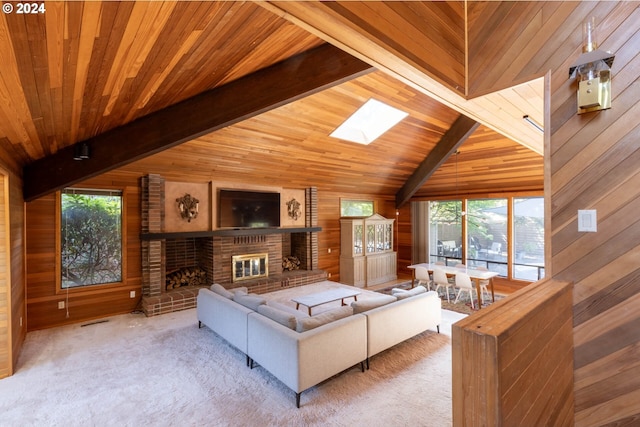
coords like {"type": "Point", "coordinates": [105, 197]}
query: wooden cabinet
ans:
{"type": "Point", "coordinates": [366, 251]}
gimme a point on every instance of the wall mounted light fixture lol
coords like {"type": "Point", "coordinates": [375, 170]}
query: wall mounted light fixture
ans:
{"type": "Point", "coordinates": [81, 151]}
{"type": "Point", "coordinates": [593, 72]}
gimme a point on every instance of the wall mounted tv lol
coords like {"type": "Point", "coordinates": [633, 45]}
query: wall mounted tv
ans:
{"type": "Point", "coordinates": [248, 209]}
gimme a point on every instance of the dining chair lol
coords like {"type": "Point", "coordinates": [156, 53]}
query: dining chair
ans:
{"type": "Point", "coordinates": [440, 281]}
{"type": "Point", "coordinates": [422, 277]}
{"type": "Point", "coordinates": [463, 283]}
{"type": "Point", "coordinates": [484, 283]}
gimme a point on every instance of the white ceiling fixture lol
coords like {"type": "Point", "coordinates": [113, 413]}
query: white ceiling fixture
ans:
{"type": "Point", "coordinates": [369, 122]}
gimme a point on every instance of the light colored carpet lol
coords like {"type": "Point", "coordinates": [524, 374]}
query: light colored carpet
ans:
{"type": "Point", "coordinates": [164, 371]}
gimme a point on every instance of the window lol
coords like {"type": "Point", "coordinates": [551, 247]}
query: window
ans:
{"type": "Point", "coordinates": [90, 237]}
{"type": "Point", "coordinates": [356, 208]}
{"type": "Point", "coordinates": [487, 241]}
{"type": "Point", "coordinates": [528, 238]}
{"type": "Point", "coordinates": [445, 231]}
{"type": "Point", "coordinates": [505, 235]}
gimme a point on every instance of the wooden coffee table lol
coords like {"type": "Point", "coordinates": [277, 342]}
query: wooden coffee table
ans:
{"type": "Point", "coordinates": [313, 300]}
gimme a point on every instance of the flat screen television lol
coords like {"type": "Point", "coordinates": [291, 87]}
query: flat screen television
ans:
{"type": "Point", "coordinates": [248, 209]}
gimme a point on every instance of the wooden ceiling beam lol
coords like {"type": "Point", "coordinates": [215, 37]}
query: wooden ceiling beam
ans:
{"type": "Point", "coordinates": [460, 130]}
{"type": "Point", "coordinates": [261, 91]}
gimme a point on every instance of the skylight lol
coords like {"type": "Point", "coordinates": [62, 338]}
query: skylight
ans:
{"type": "Point", "coordinates": [369, 122]}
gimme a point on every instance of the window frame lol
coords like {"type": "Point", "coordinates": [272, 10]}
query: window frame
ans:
{"type": "Point", "coordinates": [58, 244]}
{"type": "Point", "coordinates": [373, 207]}
{"type": "Point", "coordinates": [510, 232]}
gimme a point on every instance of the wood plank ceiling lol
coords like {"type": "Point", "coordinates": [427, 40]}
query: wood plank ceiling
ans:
{"type": "Point", "coordinates": [84, 68]}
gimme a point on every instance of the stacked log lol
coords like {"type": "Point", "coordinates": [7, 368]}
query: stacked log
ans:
{"type": "Point", "coordinates": [187, 276]}
{"type": "Point", "coordinates": [290, 263]}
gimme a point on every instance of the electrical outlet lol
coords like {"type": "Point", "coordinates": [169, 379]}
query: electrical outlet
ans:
{"type": "Point", "coordinates": [132, 294]}
{"type": "Point", "coordinates": [328, 275]}
{"type": "Point", "coordinates": [329, 250]}
{"type": "Point", "coordinates": [20, 321]}
{"type": "Point", "coordinates": [60, 305]}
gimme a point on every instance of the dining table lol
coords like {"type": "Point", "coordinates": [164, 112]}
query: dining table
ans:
{"type": "Point", "coordinates": [475, 275]}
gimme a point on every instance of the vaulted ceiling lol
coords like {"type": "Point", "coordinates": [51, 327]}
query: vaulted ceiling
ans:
{"type": "Point", "coordinates": [157, 87]}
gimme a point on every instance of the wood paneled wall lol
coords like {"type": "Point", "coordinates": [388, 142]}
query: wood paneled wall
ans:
{"type": "Point", "coordinates": [595, 164]}
{"type": "Point", "coordinates": [13, 326]}
{"type": "Point", "coordinates": [42, 296]}
{"type": "Point", "coordinates": [329, 220]}
{"type": "Point", "coordinates": [83, 304]}
{"type": "Point", "coordinates": [5, 280]}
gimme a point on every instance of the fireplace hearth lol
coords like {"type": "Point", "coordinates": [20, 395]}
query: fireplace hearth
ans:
{"type": "Point", "coordinates": [215, 253]}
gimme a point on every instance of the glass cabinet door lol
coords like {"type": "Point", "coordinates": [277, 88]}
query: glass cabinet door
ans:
{"type": "Point", "coordinates": [388, 240]}
{"type": "Point", "coordinates": [380, 238]}
{"type": "Point", "coordinates": [371, 238]}
{"type": "Point", "coordinates": [357, 239]}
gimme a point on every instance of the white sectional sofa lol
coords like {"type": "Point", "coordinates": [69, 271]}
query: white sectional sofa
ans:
{"type": "Point", "coordinates": [301, 351]}
{"type": "Point", "coordinates": [303, 359]}
{"type": "Point", "coordinates": [393, 323]}
{"type": "Point", "coordinates": [225, 317]}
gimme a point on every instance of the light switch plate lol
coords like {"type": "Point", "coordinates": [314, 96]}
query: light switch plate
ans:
{"type": "Point", "coordinates": [587, 220]}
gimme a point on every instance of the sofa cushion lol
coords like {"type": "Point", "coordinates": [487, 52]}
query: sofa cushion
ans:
{"type": "Point", "coordinates": [243, 290]}
{"type": "Point", "coordinates": [220, 290]}
{"type": "Point", "coordinates": [251, 301]}
{"type": "Point", "coordinates": [282, 317]}
{"type": "Point", "coordinates": [299, 314]}
{"type": "Point", "coordinates": [404, 293]}
{"type": "Point", "coordinates": [369, 303]}
{"type": "Point", "coordinates": [313, 322]}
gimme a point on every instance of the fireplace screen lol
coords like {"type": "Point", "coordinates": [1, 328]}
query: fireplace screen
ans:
{"type": "Point", "coordinates": [250, 266]}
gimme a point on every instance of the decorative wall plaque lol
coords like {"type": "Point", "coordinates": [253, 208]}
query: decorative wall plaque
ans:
{"type": "Point", "coordinates": [188, 207]}
{"type": "Point", "coordinates": [293, 209]}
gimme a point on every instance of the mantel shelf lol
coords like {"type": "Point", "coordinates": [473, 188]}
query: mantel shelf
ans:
{"type": "Point", "coordinates": [228, 232]}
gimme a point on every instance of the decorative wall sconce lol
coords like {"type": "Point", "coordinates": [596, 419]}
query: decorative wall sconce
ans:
{"type": "Point", "coordinates": [81, 151]}
{"type": "Point", "coordinates": [593, 72]}
{"type": "Point", "coordinates": [188, 207]}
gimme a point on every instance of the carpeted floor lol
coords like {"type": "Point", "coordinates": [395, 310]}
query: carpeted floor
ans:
{"type": "Point", "coordinates": [163, 371]}
{"type": "Point", "coordinates": [463, 306]}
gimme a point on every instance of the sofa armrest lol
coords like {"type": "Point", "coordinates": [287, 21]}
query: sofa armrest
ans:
{"type": "Point", "coordinates": [303, 359]}
{"type": "Point", "coordinates": [223, 316]}
{"type": "Point", "coordinates": [396, 322]}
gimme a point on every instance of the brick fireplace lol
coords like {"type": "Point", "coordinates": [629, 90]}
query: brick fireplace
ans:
{"type": "Point", "coordinates": [165, 252]}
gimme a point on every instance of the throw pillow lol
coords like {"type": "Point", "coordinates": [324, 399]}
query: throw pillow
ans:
{"type": "Point", "coordinates": [251, 301]}
{"type": "Point", "coordinates": [282, 317]}
{"type": "Point", "coordinates": [313, 322]}
{"type": "Point", "coordinates": [417, 290]}
{"type": "Point", "coordinates": [369, 303]}
{"type": "Point", "coordinates": [401, 295]}
{"type": "Point", "coordinates": [220, 290]}
{"type": "Point", "coordinates": [406, 293]}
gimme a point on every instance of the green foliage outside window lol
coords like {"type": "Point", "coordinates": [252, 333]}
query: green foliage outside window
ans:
{"type": "Point", "coordinates": [91, 238]}
{"type": "Point", "coordinates": [356, 208]}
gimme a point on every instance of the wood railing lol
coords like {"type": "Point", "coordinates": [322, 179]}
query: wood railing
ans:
{"type": "Point", "coordinates": [513, 362]}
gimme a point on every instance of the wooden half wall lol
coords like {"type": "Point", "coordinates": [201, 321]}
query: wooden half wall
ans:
{"type": "Point", "coordinates": [513, 362]}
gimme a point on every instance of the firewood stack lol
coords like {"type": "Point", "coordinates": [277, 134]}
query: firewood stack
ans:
{"type": "Point", "coordinates": [290, 263]}
{"type": "Point", "coordinates": [188, 276]}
